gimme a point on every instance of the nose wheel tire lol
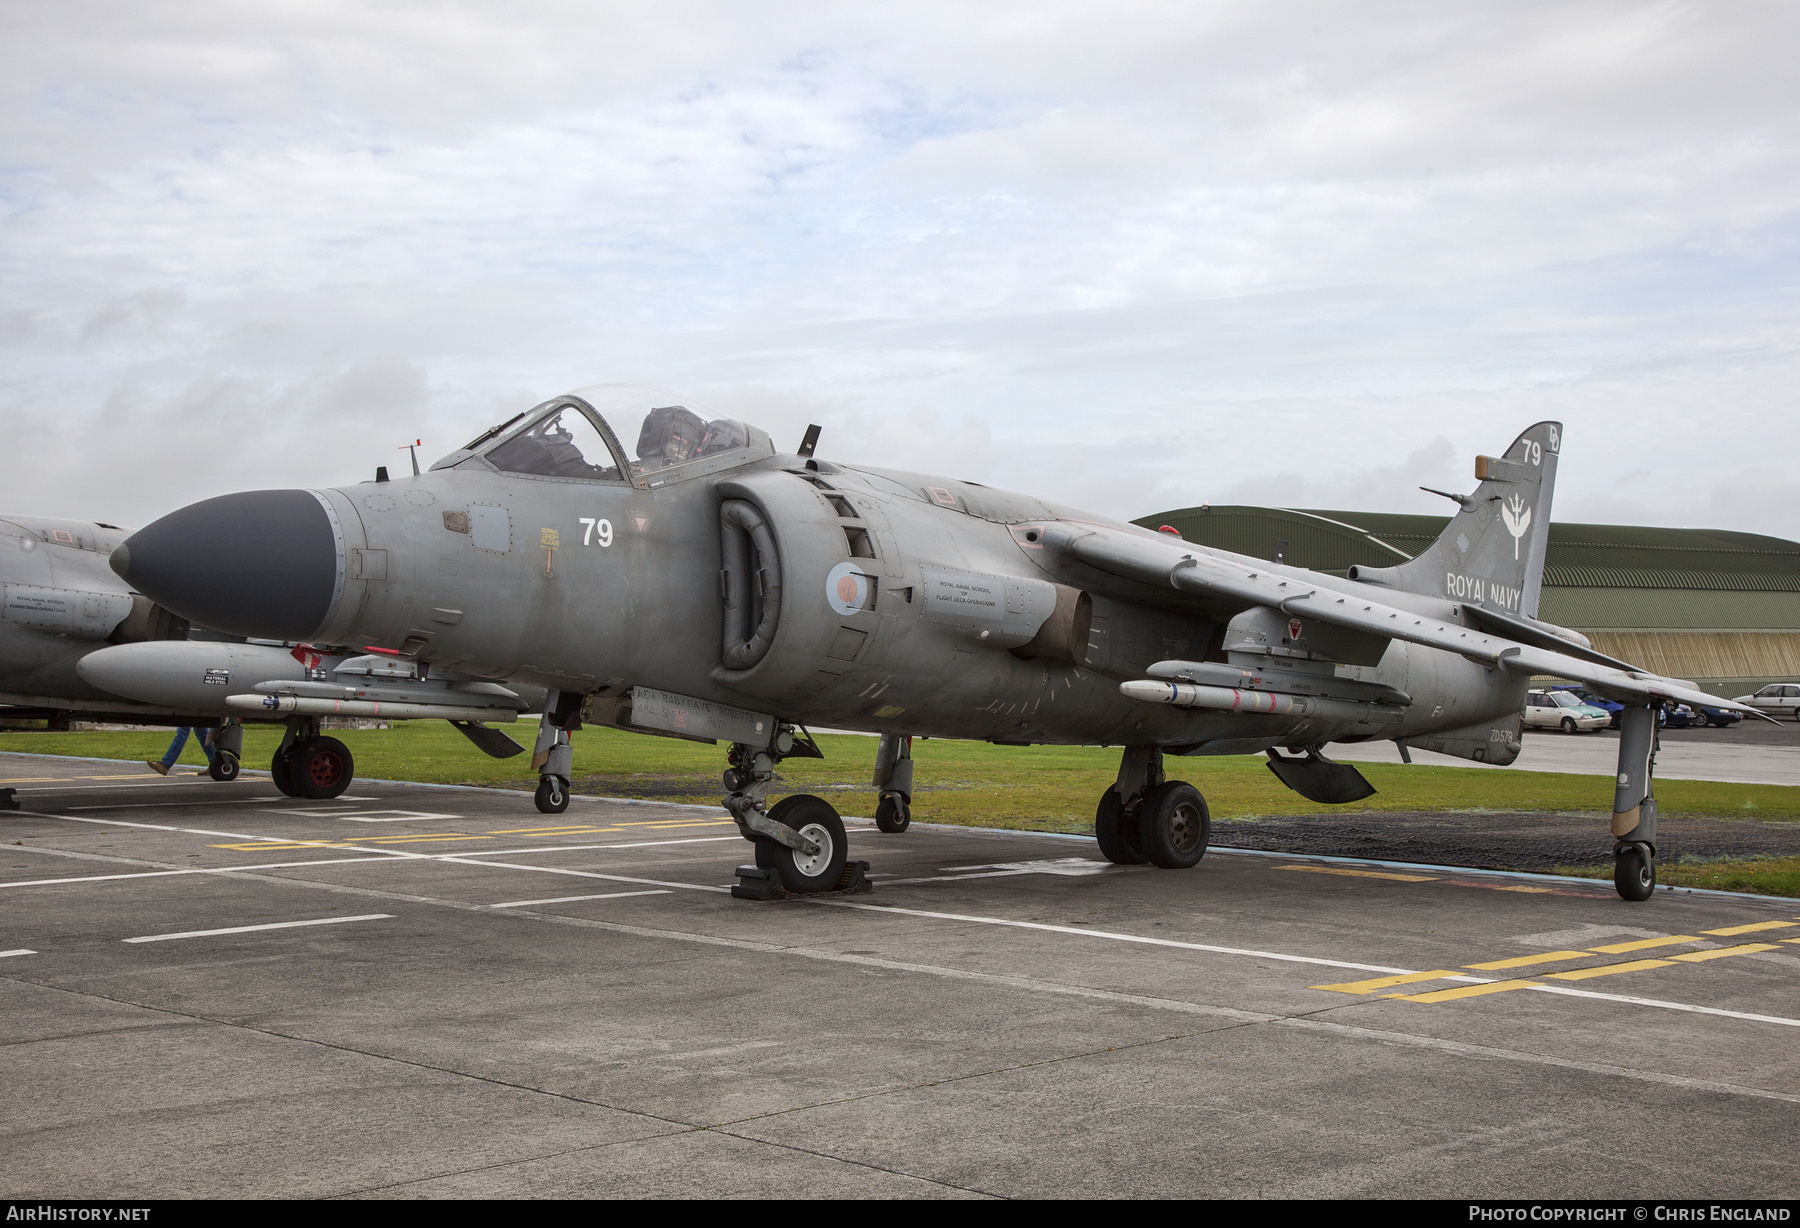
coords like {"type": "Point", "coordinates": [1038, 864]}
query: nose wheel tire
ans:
{"type": "Point", "coordinates": [893, 813]}
{"type": "Point", "coordinates": [321, 768]}
{"type": "Point", "coordinates": [224, 766]}
{"type": "Point", "coordinates": [552, 795]}
{"type": "Point", "coordinates": [804, 873]}
{"type": "Point", "coordinates": [1117, 832]}
{"type": "Point", "coordinates": [1174, 825]}
{"type": "Point", "coordinates": [1634, 873]}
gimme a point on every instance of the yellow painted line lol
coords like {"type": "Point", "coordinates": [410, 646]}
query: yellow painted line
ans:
{"type": "Point", "coordinates": [410, 839]}
{"type": "Point", "coordinates": [1728, 931]}
{"type": "Point", "coordinates": [36, 780]}
{"type": "Point", "coordinates": [1399, 878]}
{"type": "Point", "coordinates": [1582, 974]}
{"type": "Point", "coordinates": [1528, 890]}
{"type": "Point", "coordinates": [1700, 957]}
{"type": "Point", "coordinates": [1525, 961]}
{"type": "Point", "coordinates": [1384, 982]}
{"type": "Point", "coordinates": [1461, 991]}
{"type": "Point", "coordinates": [574, 829]}
{"type": "Point", "coordinates": [258, 846]}
{"type": "Point", "coordinates": [1642, 944]}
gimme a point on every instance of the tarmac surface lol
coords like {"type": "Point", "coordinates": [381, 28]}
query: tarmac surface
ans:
{"type": "Point", "coordinates": [211, 990]}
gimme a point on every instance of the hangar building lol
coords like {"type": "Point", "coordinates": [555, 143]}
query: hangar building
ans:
{"type": "Point", "coordinates": [1720, 608]}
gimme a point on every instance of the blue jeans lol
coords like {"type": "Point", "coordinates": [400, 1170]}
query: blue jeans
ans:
{"type": "Point", "coordinates": [181, 737]}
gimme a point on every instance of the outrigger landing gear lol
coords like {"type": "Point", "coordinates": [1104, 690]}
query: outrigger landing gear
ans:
{"type": "Point", "coordinates": [894, 783]}
{"type": "Point", "coordinates": [799, 840]}
{"type": "Point", "coordinates": [1634, 806]}
{"type": "Point", "coordinates": [553, 756]}
{"type": "Point", "coordinates": [228, 750]}
{"type": "Point", "coordinates": [309, 765]}
{"type": "Point", "coordinates": [1145, 817]}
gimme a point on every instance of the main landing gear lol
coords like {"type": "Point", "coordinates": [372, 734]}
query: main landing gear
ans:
{"type": "Point", "coordinates": [309, 765]}
{"type": "Point", "coordinates": [800, 842]}
{"type": "Point", "coordinates": [1634, 806]}
{"type": "Point", "coordinates": [1145, 817]}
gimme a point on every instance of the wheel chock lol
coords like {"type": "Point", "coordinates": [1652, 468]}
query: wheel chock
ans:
{"type": "Point", "coordinates": [9, 799]}
{"type": "Point", "coordinates": [756, 883]}
{"type": "Point", "coordinates": [855, 879]}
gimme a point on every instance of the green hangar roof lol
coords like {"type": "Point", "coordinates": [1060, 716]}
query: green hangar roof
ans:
{"type": "Point", "coordinates": [1719, 607]}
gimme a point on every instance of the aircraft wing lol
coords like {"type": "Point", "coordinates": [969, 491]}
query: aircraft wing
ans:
{"type": "Point", "coordinates": [1204, 574]}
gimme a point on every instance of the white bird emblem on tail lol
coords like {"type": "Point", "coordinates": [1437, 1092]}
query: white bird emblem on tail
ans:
{"type": "Point", "coordinates": [1517, 517]}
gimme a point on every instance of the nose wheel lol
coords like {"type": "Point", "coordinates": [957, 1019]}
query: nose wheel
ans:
{"type": "Point", "coordinates": [801, 872]}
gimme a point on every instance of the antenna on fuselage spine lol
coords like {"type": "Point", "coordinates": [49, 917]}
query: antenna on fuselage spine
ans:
{"type": "Point", "coordinates": [809, 441]}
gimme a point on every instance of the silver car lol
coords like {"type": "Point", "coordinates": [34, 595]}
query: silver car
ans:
{"type": "Point", "coordinates": [1777, 699]}
{"type": "Point", "coordinates": [1561, 710]}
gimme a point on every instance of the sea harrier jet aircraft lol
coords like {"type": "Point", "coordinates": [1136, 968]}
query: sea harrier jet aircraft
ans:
{"type": "Point", "coordinates": [707, 585]}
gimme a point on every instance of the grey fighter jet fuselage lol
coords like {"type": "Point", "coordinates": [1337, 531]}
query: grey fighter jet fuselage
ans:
{"type": "Point", "coordinates": [706, 584]}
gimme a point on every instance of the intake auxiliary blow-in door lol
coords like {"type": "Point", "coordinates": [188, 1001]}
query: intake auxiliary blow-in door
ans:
{"type": "Point", "coordinates": [749, 583]}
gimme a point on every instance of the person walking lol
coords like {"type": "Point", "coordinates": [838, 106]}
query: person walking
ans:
{"type": "Point", "coordinates": [161, 766]}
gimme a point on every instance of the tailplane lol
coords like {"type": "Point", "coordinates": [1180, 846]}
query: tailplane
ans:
{"type": "Point", "coordinates": [1492, 552]}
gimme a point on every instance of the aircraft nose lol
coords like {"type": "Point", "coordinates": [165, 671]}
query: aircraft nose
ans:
{"type": "Point", "coordinates": [263, 563]}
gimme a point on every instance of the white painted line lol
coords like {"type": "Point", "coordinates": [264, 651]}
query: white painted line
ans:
{"type": "Point", "coordinates": [1304, 959]}
{"type": "Point", "coordinates": [20, 951]}
{"type": "Point", "coordinates": [571, 899]}
{"type": "Point", "coordinates": [1117, 937]}
{"type": "Point", "coordinates": [109, 878]}
{"type": "Point", "coordinates": [246, 929]}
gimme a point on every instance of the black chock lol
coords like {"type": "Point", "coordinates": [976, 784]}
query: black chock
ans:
{"type": "Point", "coordinates": [756, 883]}
{"type": "Point", "coordinates": [855, 879]}
{"type": "Point", "coordinates": [9, 799]}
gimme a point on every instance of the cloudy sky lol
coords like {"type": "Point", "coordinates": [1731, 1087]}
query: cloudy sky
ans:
{"type": "Point", "coordinates": [1130, 255]}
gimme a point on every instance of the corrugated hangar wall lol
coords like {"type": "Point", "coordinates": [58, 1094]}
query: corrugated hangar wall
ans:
{"type": "Point", "coordinates": [1722, 609]}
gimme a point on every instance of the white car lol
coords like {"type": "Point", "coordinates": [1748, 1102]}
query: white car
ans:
{"type": "Point", "coordinates": [1561, 710]}
{"type": "Point", "coordinates": [1777, 699]}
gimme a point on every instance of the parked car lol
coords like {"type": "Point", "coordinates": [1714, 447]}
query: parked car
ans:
{"type": "Point", "coordinates": [1705, 714]}
{"type": "Point", "coordinates": [1681, 716]}
{"type": "Point", "coordinates": [1777, 699]}
{"type": "Point", "coordinates": [1592, 700]}
{"type": "Point", "coordinates": [1561, 710]}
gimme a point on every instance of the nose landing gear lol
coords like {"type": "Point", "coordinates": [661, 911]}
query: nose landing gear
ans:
{"type": "Point", "coordinates": [800, 839]}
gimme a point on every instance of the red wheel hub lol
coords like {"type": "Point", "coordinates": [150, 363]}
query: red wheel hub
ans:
{"type": "Point", "coordinates": [325, 769]}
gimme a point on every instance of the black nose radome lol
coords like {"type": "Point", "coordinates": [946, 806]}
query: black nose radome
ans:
{"type": "Point", "coordinates": [263, 563]}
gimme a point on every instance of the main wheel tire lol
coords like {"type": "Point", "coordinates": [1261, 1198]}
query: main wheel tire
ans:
{"type": "Point", "coordinates": [893, 813]}
{"type": "Point", "coordinates": [224, 766]}
{"type": "Point", "coordinates": [1174, 825]}
{"type": "Point", "coordinates": [321, 768]}
{"type": "Point", "coordinates": [1568, 724]}
{"type": "Point", "coordinates": [799, 872]}
{"type": "Point", "coordinates": [552, 795]}
{"type": "Point", "coordinates": [1117, 834]}
{"type": "Point", "coordinates": [1634, 873]}
{"type": "Point", "coordinates": [279, 775]}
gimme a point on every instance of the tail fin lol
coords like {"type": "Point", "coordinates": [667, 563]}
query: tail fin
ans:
{"type": "Point", "coordinates": [1492, 551]}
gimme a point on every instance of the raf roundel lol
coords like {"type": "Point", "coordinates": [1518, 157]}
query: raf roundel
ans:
{"type": "Point", "coordinates": [847, 588]}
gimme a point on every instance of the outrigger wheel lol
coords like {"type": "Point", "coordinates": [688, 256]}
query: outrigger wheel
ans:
{"type": "Point", "coordinates": [1634, 872]}
{"type": "Point", "coordinates": [893, 813]}
{"type": "Point", "coordinates": [224, 766]}
{"type": "Point", "coordinates": [320, 768]}
{"type": "Point", "coordinates": [552, 795]}
{"type": "Point", "coordinates": [802, 873]}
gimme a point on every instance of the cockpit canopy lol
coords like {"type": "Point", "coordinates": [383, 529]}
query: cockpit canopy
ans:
{"type": "Point", "coordinates": [570, 437]}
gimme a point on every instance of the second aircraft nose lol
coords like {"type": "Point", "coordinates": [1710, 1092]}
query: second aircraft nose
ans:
{"type": "Point", "coordinates": [264, 563]}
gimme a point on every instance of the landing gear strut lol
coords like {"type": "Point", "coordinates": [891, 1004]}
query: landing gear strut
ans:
{"type": "Point", "coordinates": [800, 839]}
{"type": "Point", "coordinates": [894, 783]}
{"type": "Point", "coordinates": [1634, 806]}
{"type": "Point", "coordinates": [553, 756]}
{"type": "Point", "coordinates": [1145, 817]}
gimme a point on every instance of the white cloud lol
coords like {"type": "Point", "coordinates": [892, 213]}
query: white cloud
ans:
{"type": "Point", "coordinates": [1131, 255]}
